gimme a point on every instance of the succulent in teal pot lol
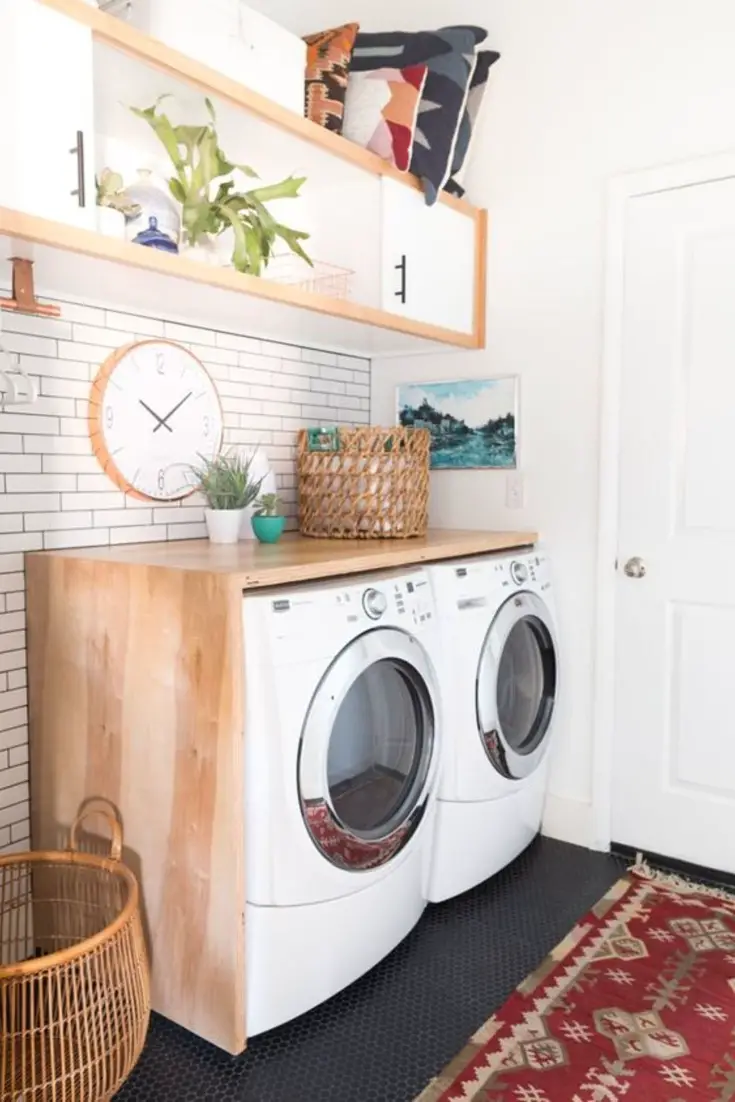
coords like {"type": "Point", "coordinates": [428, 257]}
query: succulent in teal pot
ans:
{"type": "Point", "coordinates": [268, 521]}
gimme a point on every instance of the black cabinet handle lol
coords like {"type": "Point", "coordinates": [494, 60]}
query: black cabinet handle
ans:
{"type": "Point", "coordinates": [401, 293]}
{"type": "Point", "coordinates": [79, 190]}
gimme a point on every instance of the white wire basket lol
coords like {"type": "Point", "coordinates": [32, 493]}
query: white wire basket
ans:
{"type": "Point", "coordinates": [322, 279]}
{"type": "Point", "coordinates": [120, 8]}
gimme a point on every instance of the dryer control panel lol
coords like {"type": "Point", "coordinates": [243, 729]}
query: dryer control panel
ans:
{"type": "Point", "coordinates": [523, 571]}
{"type": "Point", "coordinates": [488, 580]}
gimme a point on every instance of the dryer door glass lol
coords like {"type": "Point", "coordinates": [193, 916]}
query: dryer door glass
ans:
{"type": "Point", "coordinates": [516, 686]}
{"type": "Point", "coordinates": [526, 685]}
{"type": "Point", "coordinates": [367, 750]}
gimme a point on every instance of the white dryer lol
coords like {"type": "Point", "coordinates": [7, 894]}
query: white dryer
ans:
{"type": "Point", "coordinates": [499, 689]}
{"type": "Point", "coordinates": [341, 766]}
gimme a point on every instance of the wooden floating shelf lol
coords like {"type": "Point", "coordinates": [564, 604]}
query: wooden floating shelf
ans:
{"type": "Point", "coordinates": [19, 227]}
{"type": "Point", "coordinates": [119, 35]}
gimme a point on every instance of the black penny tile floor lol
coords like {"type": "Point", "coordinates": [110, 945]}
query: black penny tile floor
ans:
{"type": "Point", "coordinates": [384, 1038]}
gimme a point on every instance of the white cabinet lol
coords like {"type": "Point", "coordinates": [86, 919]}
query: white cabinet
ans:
{"type": "Point", "coordinates": [428, 260]}
{"type": "Point", "coordinates": [46, 88]}
{"type": "Point", "coordinates": [231, 38]}
{"type": "Point", "coordinates": [275, 62]}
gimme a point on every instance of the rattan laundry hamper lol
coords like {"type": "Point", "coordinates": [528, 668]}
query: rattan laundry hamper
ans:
{"type": "Point", "coordinates": [375, 487]}
{"type": "Point", "coordinates": [74, 982]}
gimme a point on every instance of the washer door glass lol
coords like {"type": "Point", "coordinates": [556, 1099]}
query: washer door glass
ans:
{"type": "Point", "coordinates": [516, 685]}
{"type": "Point", "coordinates": [376, 749]}
{"type": "Point", "coordinates": [367, 750]}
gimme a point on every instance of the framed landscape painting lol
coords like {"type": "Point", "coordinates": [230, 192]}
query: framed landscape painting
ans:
{"type": "Point", "coordinates": [473, 422]}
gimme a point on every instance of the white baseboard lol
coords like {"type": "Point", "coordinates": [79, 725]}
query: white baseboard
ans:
{"type": "Point", "coordinates": [568, 820]}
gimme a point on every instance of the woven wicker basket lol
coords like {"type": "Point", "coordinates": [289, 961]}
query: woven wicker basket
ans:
{"type": "Point", "coordinates": [375, 487]}
{"type": "Point", "coordinates": [74, 984]}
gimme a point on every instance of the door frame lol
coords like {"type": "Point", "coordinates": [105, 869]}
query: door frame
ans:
{"type": "Point", "coordinates": [621, 190]}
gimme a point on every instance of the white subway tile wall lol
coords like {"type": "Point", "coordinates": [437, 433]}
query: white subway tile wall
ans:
{"type": "Point", "coordinates": [53, 493]}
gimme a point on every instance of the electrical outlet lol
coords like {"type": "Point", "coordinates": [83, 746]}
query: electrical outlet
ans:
{"type": "Point", "coordinates": [514, 490]}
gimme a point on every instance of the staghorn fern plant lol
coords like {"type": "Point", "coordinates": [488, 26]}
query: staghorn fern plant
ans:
{"type": "Point", "coordinates": [204, 184]}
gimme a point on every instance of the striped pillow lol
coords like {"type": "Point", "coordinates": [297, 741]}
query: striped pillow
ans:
{"type": "Point", "coordinates": [485, 60]}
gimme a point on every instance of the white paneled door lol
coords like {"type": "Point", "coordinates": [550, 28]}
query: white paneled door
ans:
{"type": "Point", "coordinates": [674, 748]}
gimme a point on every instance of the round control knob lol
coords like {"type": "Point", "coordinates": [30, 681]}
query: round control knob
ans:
{"type": "Point", "coordinates": [374, 603]}
{"type": "Point", "coordinates": [519, 573]}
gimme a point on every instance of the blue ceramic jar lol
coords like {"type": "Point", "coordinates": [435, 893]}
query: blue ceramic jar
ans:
{"type": "Point", "coordinates": [158, 225]}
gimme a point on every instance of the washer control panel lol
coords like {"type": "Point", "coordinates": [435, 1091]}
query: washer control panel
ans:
{"type": "Point", "coordinates": [375, 603]}
{"type": "Point", "coordinates": [519, 572]}
{"type": "Point", "coordinates": [402, 600]}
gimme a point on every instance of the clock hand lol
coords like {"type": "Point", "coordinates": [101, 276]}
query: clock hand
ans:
{"type": "Point", "coordinates": [155, 416]}
{"type": "Point", "coordinates": [163, 420]}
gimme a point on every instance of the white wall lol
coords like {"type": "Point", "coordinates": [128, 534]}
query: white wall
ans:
{"type": "Point", "coordinates": [303, 18]}
{"type": "Point", "coordinates": [585, 90]}
{"type": "Point", "coordinates": [53, 492]}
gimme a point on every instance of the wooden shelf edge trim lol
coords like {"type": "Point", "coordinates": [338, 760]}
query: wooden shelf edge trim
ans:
{"type": "Point", "coordinates": [40, 231]}
{"type": "Point", "coordinates": [119, 35]}
{"type": "Point", "coordinates": [298, 559]}
{"type": "Point", "coordinates": [267, 579]}
{"type": "Point", "coordinates": [479, 321]}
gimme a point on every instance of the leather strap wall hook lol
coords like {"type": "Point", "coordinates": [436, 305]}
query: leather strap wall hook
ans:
{"type": "Point", "coordinates": [24, 299]}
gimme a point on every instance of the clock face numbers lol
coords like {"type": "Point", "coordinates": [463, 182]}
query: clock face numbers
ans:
{"type": "Point", "coordinates": [155, 414]}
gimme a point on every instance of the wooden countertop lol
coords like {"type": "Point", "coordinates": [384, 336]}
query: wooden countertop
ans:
{"type": "Point", "coordinates": [297, 558]}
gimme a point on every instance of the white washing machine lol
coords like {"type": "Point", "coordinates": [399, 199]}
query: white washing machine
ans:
{"type": "Point", "coordinates": [499, 689]}
{"type": "Point", "coordinates": [341, 760]}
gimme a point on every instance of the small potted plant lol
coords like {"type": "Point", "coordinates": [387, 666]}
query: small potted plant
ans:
{"type": "Point", "coordinates": [114, 207]}
{"type": "Point", "coordinates": [227, 485]}
{"type": "Point", "coordinates": [267, 521]}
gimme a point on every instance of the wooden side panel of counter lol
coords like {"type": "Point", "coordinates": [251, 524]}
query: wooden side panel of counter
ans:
{"type": "Point", "coordinates": [136, 695]}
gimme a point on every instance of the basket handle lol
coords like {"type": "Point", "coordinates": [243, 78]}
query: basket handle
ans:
{"type": "Point", "coordinates": [97, 805]}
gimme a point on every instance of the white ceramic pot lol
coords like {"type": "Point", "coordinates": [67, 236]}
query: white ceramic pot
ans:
{"type": "Point", "coordinates": [224, 525]}
{"type": "Point", "coordinates": [246, 532]}
{"type": "Point", "coordinates": [208, 250]}
{"type": "Point", "coordinates": [111, 222]}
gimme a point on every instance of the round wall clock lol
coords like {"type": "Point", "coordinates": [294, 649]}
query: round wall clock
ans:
{"type": "Point", "coordinates": [153, 413]}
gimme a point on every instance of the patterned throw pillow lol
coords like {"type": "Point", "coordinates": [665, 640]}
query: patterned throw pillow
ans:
{"type": "Point", "coordinates": [381, 109]}
{"type": "Point", "coordinates": [328, 57]}
{"type": "Point", "coordinates": [485, 60]}
{"type": "Point", "coordinates": [450, 56]}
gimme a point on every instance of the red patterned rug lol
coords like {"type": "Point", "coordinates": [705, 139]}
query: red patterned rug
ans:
{"type": "Point", "coordinates": [637, 1002]}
